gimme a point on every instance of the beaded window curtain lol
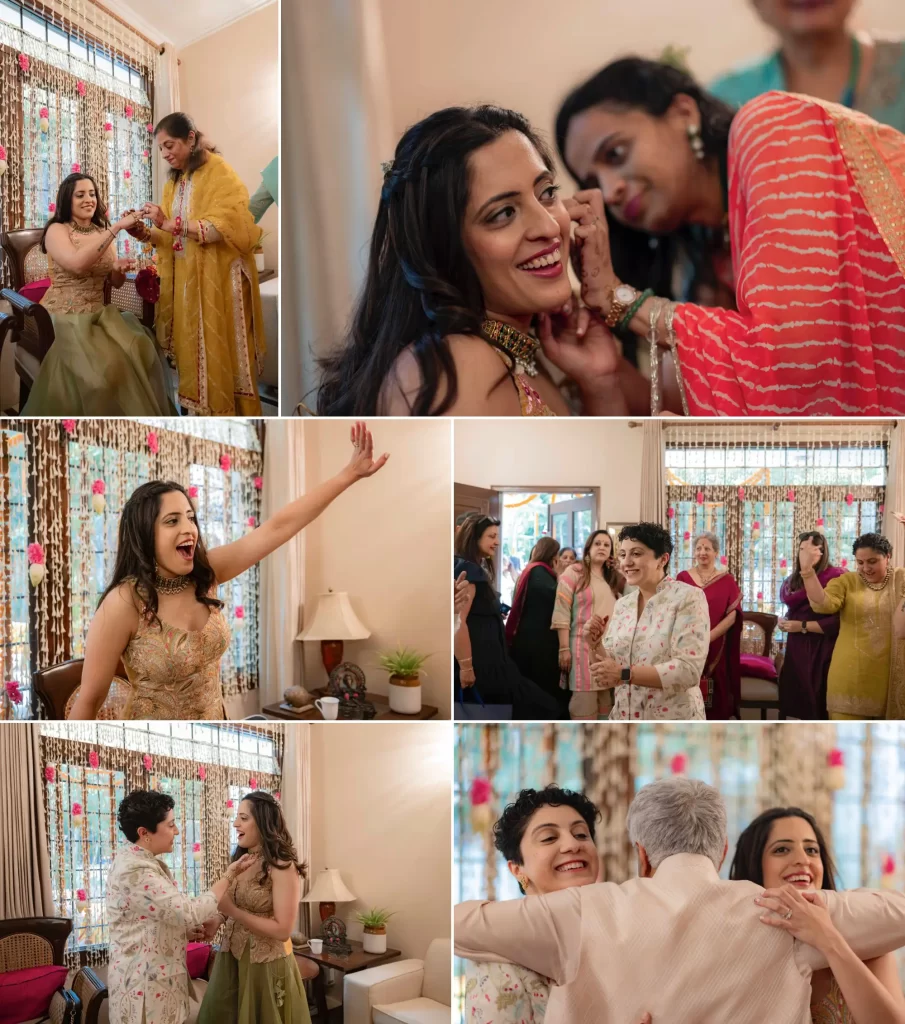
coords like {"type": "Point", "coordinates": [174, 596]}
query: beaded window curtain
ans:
{"type": "Point", "coordinates": [76, 93]}
{"type": "Point", "coordinates": [757, 488]}
{"type": "Point", "coordinates": [79, 475]}
{"type": "Point", "coordinates": [89, 768]}
{"type": "Point", "coordinates": [753, 767]}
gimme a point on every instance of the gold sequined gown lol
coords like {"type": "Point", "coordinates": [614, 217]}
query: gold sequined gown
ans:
{"type": "Point", "coordinates": [175, 673]}
{"type": "Point", "coordinates": [102, 362]}
{"type": "Point", "coordinates": [833, 1009]}
{"type": "Point", "coordinates": [254, 980]}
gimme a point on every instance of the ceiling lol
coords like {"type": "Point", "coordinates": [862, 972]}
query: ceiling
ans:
{"type": "Point", "coordinates": [179, 22]}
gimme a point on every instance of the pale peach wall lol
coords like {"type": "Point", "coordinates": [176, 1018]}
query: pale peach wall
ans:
{"type": "Point", "coordinates": [528, 54]}
{"type": "Point", "coordinates": [555, 453]}
{"type": "Point", "coordinates": [229, 84]}
{"type": "Point", "coordinates": [386, 542]}
{"type": "Point", "coordinates": [380, 815]}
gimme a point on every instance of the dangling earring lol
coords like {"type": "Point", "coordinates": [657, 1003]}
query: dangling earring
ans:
{"type": "Point", "coordinates": [695, 141]}
{"type": "Point", "coordinates": [523, 884]}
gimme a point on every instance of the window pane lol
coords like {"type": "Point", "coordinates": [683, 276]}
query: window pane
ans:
{"type": "Point", "coordinates": [57, 38]}
{"type": "Point", "coordinates": [10, 13]}
{"type": "Point", "coordinates": [34, 26]}
{"type": "Point", "coordinates": [78, 49]}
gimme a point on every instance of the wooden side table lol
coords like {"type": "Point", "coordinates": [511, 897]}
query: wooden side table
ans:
{"type": "Point", "coordinates": [381, 703]}
{"type": "Point", "coordinates": [357, 960]}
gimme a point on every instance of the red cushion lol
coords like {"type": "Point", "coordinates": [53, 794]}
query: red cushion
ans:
{"type": "Point", "coordinates": [758, 666]}
{"type": "Point", "coordinates": [26, 994]}
{"type": "Point", "coordinates": [197, 955]}
{"type": "Point", "coordinates": [34, 290]}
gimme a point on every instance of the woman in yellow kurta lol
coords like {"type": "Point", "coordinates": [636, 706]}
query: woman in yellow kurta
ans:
{"type": "Point", "coordinates": [209, 316]}
{"type": "Point", "coordinates": [867, 673]}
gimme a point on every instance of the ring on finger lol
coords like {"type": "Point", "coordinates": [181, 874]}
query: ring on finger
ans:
{"type": "Point", "coordinates": [787, 917]}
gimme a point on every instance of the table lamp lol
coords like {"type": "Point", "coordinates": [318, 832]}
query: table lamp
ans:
{"type": "Point", "coordinates": [334, 621]}
{"type": "Point", "coordinates": [328, 890]}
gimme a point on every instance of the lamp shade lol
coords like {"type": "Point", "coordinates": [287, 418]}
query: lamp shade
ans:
{"type": "Point", "coordinates": [329, 888]}
{"type": "Point", "coordinates": [334, 620]}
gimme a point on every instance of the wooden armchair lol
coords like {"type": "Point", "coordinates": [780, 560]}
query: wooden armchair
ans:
{"type": "Point", "coordinates": [757, 638]}
{"type": "Point", "coordinates": [32, 327]}
{"type": "Point", "coordinates": [38, 942]}
{"type": "Point", "coordinates": [55, 689]}
{"type": "Point", "coordinates": [91, 992]}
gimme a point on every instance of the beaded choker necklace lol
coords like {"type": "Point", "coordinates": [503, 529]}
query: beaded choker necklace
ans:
{"type": "Point", "coordinates": [82, 231]}
{"type": "Point", "coordinates": [877, 586]}
{"type": "Point", "coordinates": [166, 585]}
{"type": "Point", "coordinates": [522, 347]}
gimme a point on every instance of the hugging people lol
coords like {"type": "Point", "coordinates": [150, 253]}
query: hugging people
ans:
{"type": "Point", "coordinates": [791, 953]}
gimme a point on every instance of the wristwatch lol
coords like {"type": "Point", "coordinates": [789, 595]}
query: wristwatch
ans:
{"type": "Point", "coordinates": [626, 675]}
{"type": "Point", "coordinates": [621, 299]}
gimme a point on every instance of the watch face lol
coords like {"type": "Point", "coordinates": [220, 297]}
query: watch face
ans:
{"type": "Point", "coordinates": [624, 293]}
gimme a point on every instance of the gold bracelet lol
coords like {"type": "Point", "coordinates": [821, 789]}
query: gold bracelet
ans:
{"type": "Point", "coordinates": [807, 575]}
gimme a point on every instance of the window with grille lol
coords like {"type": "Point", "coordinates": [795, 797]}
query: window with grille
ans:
{"type": "Point", "coordinates": [14, 585]}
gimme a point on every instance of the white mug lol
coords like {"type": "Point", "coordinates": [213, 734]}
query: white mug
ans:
{"type": "Point", "coordinates": [317, 945]}
{"type": "Point", "coordinates": [328, 707]}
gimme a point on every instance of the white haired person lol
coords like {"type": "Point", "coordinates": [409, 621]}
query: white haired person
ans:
{"type": "Point", "coordinates": [654, 944]}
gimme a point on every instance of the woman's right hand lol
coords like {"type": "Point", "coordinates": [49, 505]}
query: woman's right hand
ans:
{"type": "Point", "coordinates": [238, 866]}
{"type": "Point", "coordinates": [808, 554]}
{"type": "Point", "coordinates": [125, 265]}
{"type": "Point", "coordinates": [595, 628]}
{"type": "Point", "coordinates": [565, 660]}
{"type": "Point", "coordinates": [460, 593]}
{"type": "Point", "coordinates": [152, 212]}
{"type": "Point", "coordinates": [466, 676]}
{"type": "Point", "coordinates": [136, 229]}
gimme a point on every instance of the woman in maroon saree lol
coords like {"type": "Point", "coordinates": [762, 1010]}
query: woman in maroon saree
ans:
{"type": "Point", "coordinates": [810, 639]}
{"type": "Point", "coordinates": [721, 682]}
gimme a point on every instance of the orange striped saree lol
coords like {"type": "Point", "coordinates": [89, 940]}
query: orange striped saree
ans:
{"type": "Point", "coordinates": [817, 221]}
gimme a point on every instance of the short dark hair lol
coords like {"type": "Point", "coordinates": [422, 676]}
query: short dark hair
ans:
{"type": "Point", "coordinates": [651, 535]}
{"type": "Point", "coordinates": [143, 808]}
{"type": "Point", "coordinates": [509, 830]}
{"type": "Point", "coordinates": [748, 862]}
{"type": "Point", "coordinates": [876, 541]}
{"type": "Point", "coordinates": [179, 126]}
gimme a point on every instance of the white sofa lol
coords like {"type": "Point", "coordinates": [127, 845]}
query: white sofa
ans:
{"type": "Point", "coordinates": [404, 992]}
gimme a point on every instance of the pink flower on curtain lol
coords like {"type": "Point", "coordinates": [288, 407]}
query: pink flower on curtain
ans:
{"type": "Point", "coordinates": [35, 554]}
{"type": "Point", "coordinates": [844, 563]}
{"type": "Point", "coordinates": [849, 499]}
{"type": "Point", "coordinates": [130, 110]}
{"type": "Point", "coordinates": [229, 805]}
{"type": "Point", "coordinates": [50, 774]}
{"type": "Point", "coordinates": [196, 847]}
{"type": "Point", "coordinates": [202, 772]}
{"type": "Point", "coordinates": [98, 487]}
{"type": "Point", "coordinates": [149, 126]}
{"type": "Point", "coordinates": [679, 764]}
{"type": "Point", "coordinates": [93, 759]}
{"type": "Point", "coordinates": [671, 513]}
{"type": "Point", "coordinates": [699, 497]}
{"type": "Point", "coordinates": [225, 463]}
{"type": "Point", "coordinates": [835, 759]}
{"type": "Point", "coordinates": [481, 791]}
{"type": "Point", "coordinates": [81, 895]}
{"type": "Point", "coordinates": [24, 62]}
{"type": "Point", "coordinates": [252, 783]}
{"type": "Point", "coordinates": [252, 521]}
{"type": "Point", "coordinates": [741, 494]}
{"type": "Point", "coordinates": [791, 495]}
{"type": "Point", "coordinates": [126, 247]}
{"type": "Point", "coordinates": [146, 153]}
{"type": "Point", "coordinates": [724, 560]}
{"type": "Point", "coordinates": [13, 691]}
{"type": "Point", "coordinates": [819, 522]}
{"type": "Point", "coordinates": [127, 175]}
{"type": "Point", "coordinates": [52, 207]}
{"type": "Point", "coordinates": [783, 563]}
{"type": "Point", "coordinates": [2, 157]}
{"type": "Point", "coordinates": [76, 168]}
{"type": "Point", "coordinates": [882, 509]}
{"type": "Point", "coordinates": [108, 127]}
{"type": "Point", "coordinates": [258, 482]}
{"type": "Point", "coordinates": [760, 595]}
{"type": "Point", "coordinates": [686, 535]}
{"type": "Point", "coordinates": [148, 762]}
{"type": "Point", "coordinates": [278, 796]}
{"type": "Point", "coordinates": [193, 492]}
{"type": "Point", "coordinates": [76, 810]}
{"type": "Point", "coordinates": [81, 88]}
{"type": "Point", "coordinates": [240, 611]}
{"type": "Point", "coordinates": [43, 112]}
{"type": "Point", "coordinates": [755, 526]}
{"type": "Point", "coordinates": [69, 426]}
{"type": "Point", "coordinates": [153, 443]}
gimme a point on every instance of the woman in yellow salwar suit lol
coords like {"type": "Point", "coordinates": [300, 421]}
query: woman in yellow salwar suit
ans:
{"type": "Point", "coordinates": [209, 315]}
{"type": "Point", "coordinates": [867, 672]}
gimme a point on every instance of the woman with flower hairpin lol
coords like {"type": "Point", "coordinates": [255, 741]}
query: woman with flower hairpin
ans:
{"type": "Point", "coordinates": [209, 315]}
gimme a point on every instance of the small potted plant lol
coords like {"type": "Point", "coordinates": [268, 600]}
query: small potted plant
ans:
{"type": "Point", "coordinates": [259, 253]}
{"type": "Point", "coordinates": [374, 920]}
{"type": "Point", "coordinates": [404, 667]}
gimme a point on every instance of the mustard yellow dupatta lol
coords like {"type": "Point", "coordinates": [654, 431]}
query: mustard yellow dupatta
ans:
{"type": "Point", "coordinates": [895, 695]}
{"type": "Point", "coordinates": [209, 315]}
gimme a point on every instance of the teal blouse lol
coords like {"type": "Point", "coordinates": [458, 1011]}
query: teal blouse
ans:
{"type": "Point", "coordinates": [883, 97]}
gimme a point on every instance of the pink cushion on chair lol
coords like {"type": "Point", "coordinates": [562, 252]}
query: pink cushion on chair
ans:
{"type": "Point", "coordinates": [26, 994]}
{"type": "Point", "coordinates": [34, 290]}
{"type": "Point", "coordinates": [197, 955]}
{"type": "Point", "coordinates": [758, 666]}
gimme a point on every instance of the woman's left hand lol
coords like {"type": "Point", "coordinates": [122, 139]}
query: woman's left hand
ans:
{"type": "Point", "coordinates": [125, 265]}
{"type": "Point", "coordinates": [802, 914]}
{"type": "Point", "coordinates": [168, 225]}
{"type": "Point", "coordinates": [363, 464]}
{"type": "Point", "coordinates": [607, 672]}
{"type": "Point", "coordinates": [152, 212]}
{"type": "Point", "coordinates": [591, 249]}
{"type": "Point", "coordinates": [790, 626]}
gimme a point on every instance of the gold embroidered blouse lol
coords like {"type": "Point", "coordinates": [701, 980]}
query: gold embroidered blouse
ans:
{"type": "Point", "coordinates": [249, 893]}
{"type": "Point", "coordinates": [79, 293]}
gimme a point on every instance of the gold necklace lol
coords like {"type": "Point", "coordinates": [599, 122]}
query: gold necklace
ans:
{"type": "Point", "coordinates": [522, 347]}
{"type": "Point", "coordinates": [876, 586]}
{"type": "Point", "coordinates": [82, 231]}
{"type": "Point", "coordinates": [167, 585]}
{"type": "Point", "coordinates": [709, 579]}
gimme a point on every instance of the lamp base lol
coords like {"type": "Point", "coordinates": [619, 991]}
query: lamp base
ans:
{"type": "Point", "coordinates": [327, 910]}
{"type": "Point", "coordinates": [331, 654]}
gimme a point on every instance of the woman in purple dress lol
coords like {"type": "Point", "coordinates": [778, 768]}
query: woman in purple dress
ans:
{"type": "Point", "coordinates": [810, 639]}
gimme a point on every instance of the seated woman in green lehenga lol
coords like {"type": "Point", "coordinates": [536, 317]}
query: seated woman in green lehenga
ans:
{"type": "Point", "coordinates": [256, 979]}
{"type": "Point", "coordinates": [102, 362]}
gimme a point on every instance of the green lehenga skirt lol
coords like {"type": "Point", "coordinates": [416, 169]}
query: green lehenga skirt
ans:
{"type": "Point", "coordinates": [101, 364]}
{"type": "Point", "coordinates": [241, 992]}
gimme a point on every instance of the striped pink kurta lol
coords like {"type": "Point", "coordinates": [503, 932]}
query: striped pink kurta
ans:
{"type": "Point", "coordinates": [573, 610]}
{"type": "Point", "coordinates": [818, 242]}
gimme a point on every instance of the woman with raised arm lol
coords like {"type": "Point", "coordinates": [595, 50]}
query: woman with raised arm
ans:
{"type": "Point", "coordinates": [102, 362]}
{"type": "Point", "coordinates": [160, 614]}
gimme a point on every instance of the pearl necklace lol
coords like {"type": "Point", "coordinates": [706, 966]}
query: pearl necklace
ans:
{"type": "Point", "coordinates": [166, 585]}
{"type": "Point", "coordinates": [877, 586]}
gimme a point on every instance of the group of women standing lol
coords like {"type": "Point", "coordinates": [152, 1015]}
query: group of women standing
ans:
{"type": "Point", "coordinates": [208, 318]}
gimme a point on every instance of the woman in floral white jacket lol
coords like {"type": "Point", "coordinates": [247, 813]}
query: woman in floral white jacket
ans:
{"type": "Point", "coordinates": [150, 920]}
{"type": "Point", "coordinates": [656, 644]}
